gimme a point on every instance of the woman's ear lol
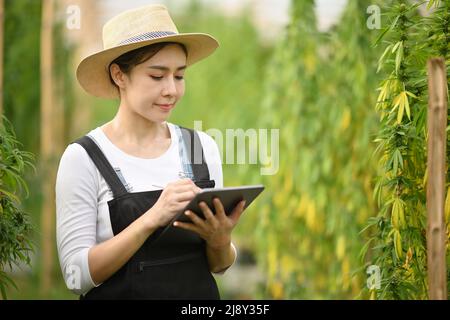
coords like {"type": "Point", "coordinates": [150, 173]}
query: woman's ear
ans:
{"type": "Point", "coordinates": [117, 75]}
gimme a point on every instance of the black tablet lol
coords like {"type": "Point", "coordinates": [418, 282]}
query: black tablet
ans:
{"type": "Point", "coordinates": [229, 196]}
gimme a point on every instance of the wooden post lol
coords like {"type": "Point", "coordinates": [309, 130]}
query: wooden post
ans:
{"type": "Point", "coordinates": [86, 41]}
{"type": "Point", "coordinates": [437, 140]}
{"type": "Point", "coordinates": [47, 146]}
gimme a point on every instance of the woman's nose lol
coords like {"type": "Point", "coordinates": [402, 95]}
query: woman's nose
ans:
{"type": "Point", "coordinates": [170, 88]}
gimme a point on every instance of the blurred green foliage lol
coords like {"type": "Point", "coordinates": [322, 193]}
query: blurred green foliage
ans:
{"type": "Point", "coordinates": [22, 107]}
{"type": "Point", "coordinates": [319, 92]}
{"type": "Point", "coordinates": [21, 70]}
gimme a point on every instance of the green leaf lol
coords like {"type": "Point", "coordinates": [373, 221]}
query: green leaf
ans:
{"type": "Point", "coordinates": [381, 36]}
{"type": "Point", "coordinates": [363, 252]}
{"type": "Point", "coordinates": [411, 94]}
{"type": "Point", "coordinates": [396, 46]}
{"type": "Point", "coordinates": [11, 195]}
{"type": "Point", "coordinates": [383, 33]}
{"type": "Point", "coordinates": [395, 162]}
{"type": "Point", "coordinates": [8, 281]}
{"type": "Point", "coordinates": [383, 92]}
{"type": "Point", "coordinates": [431, 3]}
{"type": "Point", "coordinates": [401, 110]}
{"type": "Point", "coordinates": [3, 291]}
{"type": "Point", "coordinates": [383, 56]}
{"type": "Point", "coordinates": [408, 111]}
{"type": "Point", "coordinates": [401, 101]}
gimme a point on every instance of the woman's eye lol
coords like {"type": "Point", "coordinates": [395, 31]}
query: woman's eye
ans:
{"type": "Point", "coordinates": [160, 78]}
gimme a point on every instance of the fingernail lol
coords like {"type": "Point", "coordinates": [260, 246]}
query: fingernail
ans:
{"type": "Point", "coordinates": [187, 213]}
{"type": "Point", "coordinates": [175, 224]}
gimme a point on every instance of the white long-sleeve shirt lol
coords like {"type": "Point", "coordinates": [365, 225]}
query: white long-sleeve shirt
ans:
{"type": "Point", "coordinates": [82, 195]}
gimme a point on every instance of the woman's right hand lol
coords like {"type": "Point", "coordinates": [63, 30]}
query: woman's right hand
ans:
{"type": "Point", "coordinates": [174, 197]}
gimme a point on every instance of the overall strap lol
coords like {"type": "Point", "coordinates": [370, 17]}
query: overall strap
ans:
{"type": "Point", "coordinates": [193, 154]}
{"type": "Point", "coordinates": [103, 165]}
{"type": "Point", "coordinates": [194, 166]}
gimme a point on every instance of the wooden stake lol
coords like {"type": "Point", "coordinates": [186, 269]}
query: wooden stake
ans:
{"type": "Point", "coordinates": [47, 146]}
{"type": "Point", "coordinates": [437, 140]}
{"type": "Point", "coordinates": [87, 42]}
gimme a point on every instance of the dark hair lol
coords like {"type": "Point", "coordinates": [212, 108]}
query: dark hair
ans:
{"type": "Point", "coordinates": [129, 60]}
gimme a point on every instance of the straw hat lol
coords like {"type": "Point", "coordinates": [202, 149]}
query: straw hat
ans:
{"type": "Point", "coordinates": [131, 30]}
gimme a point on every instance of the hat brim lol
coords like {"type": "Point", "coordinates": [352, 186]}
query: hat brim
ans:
{"type": "Point", "coordinates": [93, 71]}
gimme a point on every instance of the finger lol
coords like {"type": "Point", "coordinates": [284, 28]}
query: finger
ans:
{"type": "Point", "coordinates": [237, 211]}
{"type": "Point", "coordinates": [186, 184]}
{"type": "Point", "coordinates": [220, 211]}
{"type": "Point", "coordinates": [187, 226]}
{"type": "Point", "coordinates": [195, 187]}
{"type": "Point", "coordinates": [188, 181]}
{"type": "Point", "coordinates": [182, 182]}
{"type": "Point", "coordinates": [185, 196]}
{"type": "Point", "coordinates": [184, 188]}
{"type": "Point", "coordinates": [209, 215]}
{"type": "Point", "coordinates": [195, 219]}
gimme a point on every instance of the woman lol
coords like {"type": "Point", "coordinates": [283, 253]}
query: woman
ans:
{"type": "Point", "coordinates": [119, 187]}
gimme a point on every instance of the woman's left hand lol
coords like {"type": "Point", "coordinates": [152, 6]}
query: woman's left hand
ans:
{"type": "Point", "coordinates": [215, 229]}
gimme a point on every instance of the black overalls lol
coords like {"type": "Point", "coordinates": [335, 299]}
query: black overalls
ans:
{"type": "Point", "coordinates": [170, 264]}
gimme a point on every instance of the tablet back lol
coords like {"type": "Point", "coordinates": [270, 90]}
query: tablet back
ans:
{"type": "Point", "coordinates": [229, 196]}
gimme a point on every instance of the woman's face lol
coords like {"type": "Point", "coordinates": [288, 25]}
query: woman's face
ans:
{"type": "Point", "coordinates": [153, 88]}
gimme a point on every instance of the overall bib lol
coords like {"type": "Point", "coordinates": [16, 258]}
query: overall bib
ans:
{"type": "Point", "coordinates": [170, 264]}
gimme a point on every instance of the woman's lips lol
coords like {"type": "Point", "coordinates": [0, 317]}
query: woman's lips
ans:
{"type": "Point", "coordinates": [165, 107]}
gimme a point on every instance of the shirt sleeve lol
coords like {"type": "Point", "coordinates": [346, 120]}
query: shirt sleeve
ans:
{"type": "Point", "coordinates": [76, 192]}
{"type": "Point", "coordinates": [214, 162]}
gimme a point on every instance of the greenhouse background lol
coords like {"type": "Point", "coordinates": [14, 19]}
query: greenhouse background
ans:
{"type": "Point", "coordinates": [339, 87]}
